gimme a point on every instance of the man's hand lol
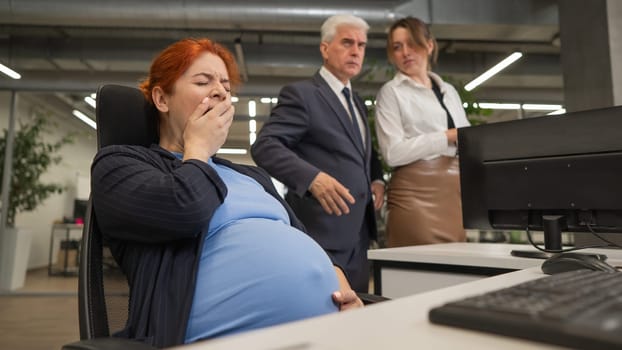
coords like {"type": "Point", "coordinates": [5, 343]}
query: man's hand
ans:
{"type": "Point", "coordinates": [331, 194]}
{"type": "Point", "coordinates": [377, 190]}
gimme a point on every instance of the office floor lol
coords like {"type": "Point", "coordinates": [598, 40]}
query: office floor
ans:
{"type": "Point", "coordinates": [43, 315]}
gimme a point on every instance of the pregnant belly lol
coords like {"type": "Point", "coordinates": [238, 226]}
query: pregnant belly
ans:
{"type": "Point", "coordinates": [257, 273]}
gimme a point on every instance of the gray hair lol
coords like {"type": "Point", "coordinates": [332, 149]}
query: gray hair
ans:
{"type": "Point", "coordinates": [329, 27]}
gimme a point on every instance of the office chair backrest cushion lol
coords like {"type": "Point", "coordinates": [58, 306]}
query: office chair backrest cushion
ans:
{"type": "Point", "coordinates": [124, 117]}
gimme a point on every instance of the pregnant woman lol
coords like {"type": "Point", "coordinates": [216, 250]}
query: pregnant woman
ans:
{"type": "Point", "coordinates": [208, 246]}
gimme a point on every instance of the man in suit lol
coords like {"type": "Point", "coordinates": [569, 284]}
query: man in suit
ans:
{"type": "Point", "coordinates": [317, 142]}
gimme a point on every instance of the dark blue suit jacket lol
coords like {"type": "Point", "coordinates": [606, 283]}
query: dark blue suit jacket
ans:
{"type": "Point", "coordinates": [310, 131]}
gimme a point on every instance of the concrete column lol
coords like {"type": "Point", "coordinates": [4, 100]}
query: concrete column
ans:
{"type": "Point", "coordinates": [591, 53]}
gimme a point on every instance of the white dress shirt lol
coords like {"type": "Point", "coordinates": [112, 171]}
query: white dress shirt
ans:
{"type": "Point", "coordinates": [337, 86]}
{"type": "Point", "coordinates": [411, 123]}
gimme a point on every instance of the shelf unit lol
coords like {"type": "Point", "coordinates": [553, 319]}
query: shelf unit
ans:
{"type": "Point", "coordinates": [62, 238]}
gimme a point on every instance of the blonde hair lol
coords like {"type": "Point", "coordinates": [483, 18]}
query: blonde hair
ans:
{"type": "Point", "coordinates": [419, 32]}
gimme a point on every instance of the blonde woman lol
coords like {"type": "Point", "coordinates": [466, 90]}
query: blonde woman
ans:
{"type": "Point", "coordinates": [417, 117]}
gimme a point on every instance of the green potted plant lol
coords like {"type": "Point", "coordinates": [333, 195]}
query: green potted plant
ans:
{"type": "Point", "coordinates": [32, 156]}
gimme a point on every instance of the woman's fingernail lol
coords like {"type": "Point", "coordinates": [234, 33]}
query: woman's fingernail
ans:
{"type": "Point", "coordinates": [205, 100]}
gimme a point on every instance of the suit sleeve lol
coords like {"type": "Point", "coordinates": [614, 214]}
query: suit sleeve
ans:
{"type": "Point", "coordinates": [274, 148]}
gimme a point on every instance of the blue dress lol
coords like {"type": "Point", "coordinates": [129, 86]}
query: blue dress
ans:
{"type": "Point", "coordinates": [255, 269]}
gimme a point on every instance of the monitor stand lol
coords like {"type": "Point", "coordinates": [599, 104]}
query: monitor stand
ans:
{"type": "Point", "coordinates": [552, 225]}
{"type": "Point", "coordinates": [532, 254]}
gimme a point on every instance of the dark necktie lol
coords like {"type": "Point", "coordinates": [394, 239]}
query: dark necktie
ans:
{"type": "Point", "coordinates": [439, 97]}
{"type": "Point", "coordinates": [355, 124]}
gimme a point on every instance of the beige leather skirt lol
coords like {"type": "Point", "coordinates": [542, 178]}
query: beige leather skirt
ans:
{"type": "Point", "coordinates": [424, 204]}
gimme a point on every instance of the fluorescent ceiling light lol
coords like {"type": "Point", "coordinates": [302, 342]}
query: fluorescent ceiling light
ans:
{"type": "Point", "coordinates": [559, 111]}
{"type": "Point", "coordinates": [252, 125]}
{"type": "Point", "coordinates": [252, 137]}
{"type": "Point", "coordinates": [487, 105]}
{"type": "Point", "coordinates": [275, 100]}
{"type": "Point", "coordinates": [90, 122]}
{"type": "Point", "coordinates": [492, 71]}
{"type": "Point", "coordinates": [234, 99]}
{"type": "Point", "coordinates": [90, 101]}
{"type": "Point", "coordinates": [265, 100]}
{"type": "Point", "coordinates": [252, 109]}
{"type": "Point", "coordinates": [8, 71]}
{"type": "Point", "coordinates": [231, 151]}
{"type": "Point", "coordinates": [524, 106]}
{"type": "Point", "coordinates": [540, 107]}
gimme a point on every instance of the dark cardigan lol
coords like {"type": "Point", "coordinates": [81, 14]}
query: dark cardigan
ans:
{"type": "Point", "coordinates": [154, 209]}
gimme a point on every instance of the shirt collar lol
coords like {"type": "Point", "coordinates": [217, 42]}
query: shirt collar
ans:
{"type": "Point", "coordinates": [402, 78]}
{"type": "Point", "coordinates": [335, 84]}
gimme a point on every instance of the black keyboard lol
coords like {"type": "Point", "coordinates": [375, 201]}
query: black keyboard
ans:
{"type": "Point", "coordinates": [581, 309]}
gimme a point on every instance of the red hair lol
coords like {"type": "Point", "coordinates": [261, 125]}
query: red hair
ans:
{"type": "Point", "coordinates": [171, 63]}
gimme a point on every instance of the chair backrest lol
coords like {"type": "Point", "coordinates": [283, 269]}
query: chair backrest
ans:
{"type": "Point", "coordinates": [123, 116]}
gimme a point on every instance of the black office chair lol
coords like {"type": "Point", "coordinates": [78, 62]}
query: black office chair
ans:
{"type": "Point", "coordinates": [123, 117]}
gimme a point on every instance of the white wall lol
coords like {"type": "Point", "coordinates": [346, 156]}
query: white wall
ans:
{"type": "Point", "coordinates": [72, 172]}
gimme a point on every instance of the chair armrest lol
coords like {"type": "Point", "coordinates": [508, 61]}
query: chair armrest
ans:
{"type": "Point", "coordinates": [371, 298]}
{"type": "Point", "coordinates": [110, 343]}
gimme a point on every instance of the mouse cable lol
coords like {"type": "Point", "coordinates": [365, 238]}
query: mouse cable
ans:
{"type": "Point", "coordinates": [597, 235]}
{"type": "Point", "coordinates": [563, 250]}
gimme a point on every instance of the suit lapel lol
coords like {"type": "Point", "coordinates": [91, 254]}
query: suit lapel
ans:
{"type": "Point", "coordinates": [334, 103]}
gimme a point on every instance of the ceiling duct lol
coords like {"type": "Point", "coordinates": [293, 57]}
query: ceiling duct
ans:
{"type": "Point", "coordinates": [235, 15]}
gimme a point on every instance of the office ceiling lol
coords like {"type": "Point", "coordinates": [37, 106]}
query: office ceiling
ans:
{"type": "Point", "coordinates": [64, 49]}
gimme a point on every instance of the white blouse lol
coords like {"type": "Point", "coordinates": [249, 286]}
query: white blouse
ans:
{"type": "Point", "coordinates": [411, 123]}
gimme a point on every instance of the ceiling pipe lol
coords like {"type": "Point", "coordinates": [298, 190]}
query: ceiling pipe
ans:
{"type": "Point", "coordinates": [233, 15]}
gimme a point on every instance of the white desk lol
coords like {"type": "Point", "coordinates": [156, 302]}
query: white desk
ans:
{"type": "Point", "coordinates": [396, 324]}
{"type": "Point", "coordinates": [405, 271]}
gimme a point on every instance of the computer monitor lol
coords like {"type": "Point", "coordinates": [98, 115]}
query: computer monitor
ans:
{"type": "Point", "coordinates": [551, 173]}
